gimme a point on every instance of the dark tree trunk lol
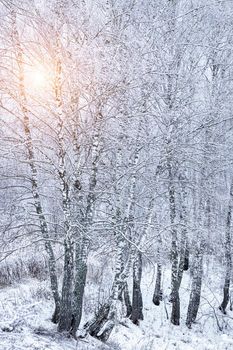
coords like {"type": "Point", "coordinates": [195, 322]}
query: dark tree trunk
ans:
{"type": "Point", "coordinates": [226, 293]}
{"type": "Point", "coordinates": [66, 317]}
{"type": "Point", "coordinates": [157, 297]}
{"type": "Point", "coordinates": [56, 314]}
{"type": "Point", "coordinates": [179, 264]}
{"type": "Point", "coordinates": [127, 301]}
{"type": "Point", "coordinates": [186, 260]}
{"type": "Point", "coordinates": [175, 315]}
{"type": "Point", "coordinates": [103, 323]}
{"type": "Point", "coordinates": [53, 281]}
{"type": "Point", "coordinates": [80, 281]}
{"type": "Point", "coordinates": [174, 297]}
{"type": "Point", "coordinates": [194, 302]}
{"type": "Point", "coordinates": [94, 326]}
{"type": "Point", "coordinates": [195, 294]}
{"type": "Point", "coordinates": [137, 304]}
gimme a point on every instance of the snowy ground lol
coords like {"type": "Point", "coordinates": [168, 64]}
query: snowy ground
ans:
{"type": "Point", "coordinates": [26, 309]}
{"type": "Point", "coordinates": [156, 332]}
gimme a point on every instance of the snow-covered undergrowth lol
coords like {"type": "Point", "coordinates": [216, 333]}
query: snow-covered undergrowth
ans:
{"type": "Point", "coordinates": [26, 309]}
{"type": "Point", "coordinates": [15, 269]}
{"type": "Point", "coordinates": [156, 331]}
{"type": "Point", "coordinates": [25, 320]}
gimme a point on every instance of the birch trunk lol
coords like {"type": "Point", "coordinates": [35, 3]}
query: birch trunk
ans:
{"type": "Point", "coordinates": [127, 301]}
{"type": "Point", "coordinates": [102, 325]}
{"type": "Point", "coordinates": [137, 304]}
{"type": "Point", "coordinates": [34, 175]}
{"type": "Point", "coordinates": [174, 297]}
{"type": "Point", "coordinates": [157, 296]}
{"type": "Point", "coordinates": [195, 294]}
{"type": "Point", "coordinates": [65, 320]}
{"type": "Point", "coordinates": [228, 258]}
{"type": "Point", "coordinates": [80, 281]}
{"type": "Point", "coordinates": [82, 242]}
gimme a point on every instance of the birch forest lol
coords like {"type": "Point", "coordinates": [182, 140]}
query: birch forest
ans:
{"type": "Point", "coordinates": [116, 174]}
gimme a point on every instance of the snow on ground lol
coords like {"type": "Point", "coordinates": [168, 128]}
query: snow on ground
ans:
{"type": "Point", "coordinates": [26, 309]}
{"type": "Point", "coordinates": [157, 333]}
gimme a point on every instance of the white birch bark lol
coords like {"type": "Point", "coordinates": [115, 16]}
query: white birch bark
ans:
{"type": "Point", "coordinates": [33, 169]}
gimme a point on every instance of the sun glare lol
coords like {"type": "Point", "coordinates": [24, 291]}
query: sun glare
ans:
{"type": "Point", "coordinates": [37, 77]}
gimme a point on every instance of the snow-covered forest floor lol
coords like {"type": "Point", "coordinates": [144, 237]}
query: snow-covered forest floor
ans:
{"type": "Point", "coordinates": [26, 308]}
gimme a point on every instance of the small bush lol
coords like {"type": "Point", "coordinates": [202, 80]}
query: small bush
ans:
{"type": "Point", "coordinates": [15, 270]}
{"type": "Point", "coordinates": [37, 269]}
{"type": "Point", "coordinates": [41, 292]}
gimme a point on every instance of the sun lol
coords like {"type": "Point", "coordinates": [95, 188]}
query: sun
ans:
{"type": "Point", "coordinates": [37, 77]}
